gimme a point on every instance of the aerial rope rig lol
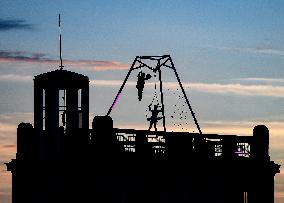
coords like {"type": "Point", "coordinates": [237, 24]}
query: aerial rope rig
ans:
{"type": "Point", "coordinates": [157, 104]}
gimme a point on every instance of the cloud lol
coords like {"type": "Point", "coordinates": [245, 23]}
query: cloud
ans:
{"type": "Point", "coordinates": [213, 88]}
{"type": "Point", "coordinates": [23, 56]}
{"type": "Point", "coordinates": [111, 83]}
{"type": "Point", "coordinates": [262, 80]}
{"type": "Point", "coordinates": [257, 50]}
{"type": "Point", "coordinates": [9, 146]}
{"type": "Point", "coordinates": [16, 78]}
{"type": "Point", "coordinates": [40, 58]}
{"type": "Point", "coordinates": [243, 127]}
{"type": "Point", "coordinates": [16, 118]}
{"type": "Point", "coordinates": [238, 89]}
{"type": "Point", "coordinates": [5, 186]}
{"type": "Point", "coordinates": [7, 128]}
{"type": "Point", "coordinates": [6, 25]}
{"type": "Point", "coordinates": [5, 190]}
{"type": "Point", "coordinates": [7, 153]}
{"type": "Point", "coordinates": [94, 65]}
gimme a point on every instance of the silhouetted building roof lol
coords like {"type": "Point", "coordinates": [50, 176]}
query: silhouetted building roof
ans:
{"type": "Point", "coordinates": [60, 159]}
{"type": "Point", "coordinates": [58, 77]}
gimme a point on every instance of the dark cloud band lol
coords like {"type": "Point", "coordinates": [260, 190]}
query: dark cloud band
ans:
{"type": "Point", "coordinates": [40, 58]}
{"type": "Point", "coordinates": [6, 25]}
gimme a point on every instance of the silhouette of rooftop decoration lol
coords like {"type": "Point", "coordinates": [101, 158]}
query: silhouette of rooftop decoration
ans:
{"type": "Point", "coordinates": [152, 67]}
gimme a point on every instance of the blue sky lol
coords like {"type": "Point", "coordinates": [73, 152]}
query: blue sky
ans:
{"type": "Point", "coordinates": [229, 54]}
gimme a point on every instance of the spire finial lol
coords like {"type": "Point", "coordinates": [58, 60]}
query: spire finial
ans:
{"type": "Point", "coordinates": [59, 21]}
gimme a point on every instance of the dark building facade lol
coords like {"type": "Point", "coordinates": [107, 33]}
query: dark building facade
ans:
{"type": "Point", "coordinates": [61, 159]}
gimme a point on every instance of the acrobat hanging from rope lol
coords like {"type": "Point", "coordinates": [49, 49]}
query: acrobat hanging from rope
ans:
{"type": "Point", "coordinates": [154, 117]}
{"type": "Point", "coordinates": [141, 82]}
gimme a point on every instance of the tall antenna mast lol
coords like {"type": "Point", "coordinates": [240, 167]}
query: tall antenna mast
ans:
{"type": "Point", "coordinates": [61, 66]}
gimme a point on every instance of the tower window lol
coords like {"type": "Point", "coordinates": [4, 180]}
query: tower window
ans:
{"type": "Point", "coordinates": [62, 107]}
{"type": "Point", "coordinates": [80, 119]}
{"type": "Point", "coordinates": [43, 109]}
{"type": "Point", "coordinates": [245, 197]}
{"type": "Point", "coordinates": [79, 99]}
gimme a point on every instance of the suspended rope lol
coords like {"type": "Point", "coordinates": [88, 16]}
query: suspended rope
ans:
{"type": "Point", "coordinates": [155, 100]}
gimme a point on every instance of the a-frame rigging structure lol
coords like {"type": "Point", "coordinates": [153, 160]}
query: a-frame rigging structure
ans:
{"type": "Point", "coordinates": [161, 62]}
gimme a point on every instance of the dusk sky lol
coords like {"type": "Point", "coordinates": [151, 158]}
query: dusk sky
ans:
{"type": "Point", "coordinates": [229, 55]}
